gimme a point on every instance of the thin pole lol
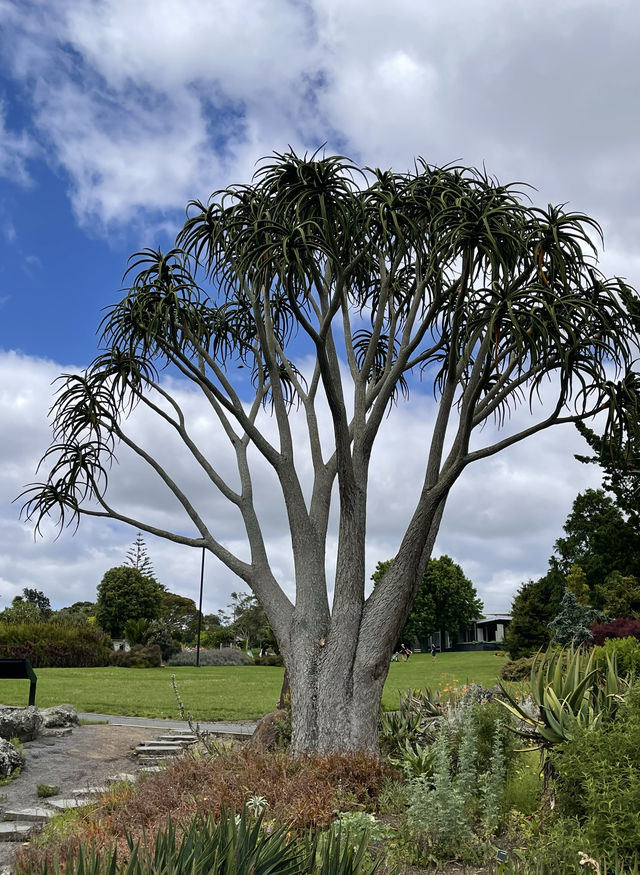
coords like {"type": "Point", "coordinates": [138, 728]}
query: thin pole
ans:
{"type": "Point", "coordinates": [200, 611]}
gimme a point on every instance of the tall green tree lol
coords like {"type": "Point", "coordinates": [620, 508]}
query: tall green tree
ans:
{"type": "Point", "coordinates": [180, 614]}
{"type": "Point", "coordinates": [620, 464]}
{"type": "Point", "coordinates": [446, 600]}
{"type": "Point", "coordinates": [534, 606]}
{"type": "Point", "coordinates": [372, 279]}
{"type": "Point", "coordinates": [35, 599]}
{"type": "Point", "coordinates": [138, 557]}
{"type": "Point", "coordinates": [126, 594]}
{"type": "Point", "coordinates": [600, 539]}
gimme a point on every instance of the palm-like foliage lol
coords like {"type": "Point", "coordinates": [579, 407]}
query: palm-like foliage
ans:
{"type": "Point", "coordinates": [380, 279]}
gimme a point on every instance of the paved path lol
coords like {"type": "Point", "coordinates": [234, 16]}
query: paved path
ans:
{"type": "Point", "coordinates": [240, 727]}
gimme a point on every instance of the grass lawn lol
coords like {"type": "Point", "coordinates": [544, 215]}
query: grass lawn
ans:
{"type": "Point", "coordinates": [225, 692]}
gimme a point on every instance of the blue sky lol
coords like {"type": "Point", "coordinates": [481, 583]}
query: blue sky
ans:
{"type": "Point", "coordinates": [114, 114]}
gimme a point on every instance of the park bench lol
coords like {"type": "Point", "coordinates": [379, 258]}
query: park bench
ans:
{"type": "Point", "coordinates": [20, 669]}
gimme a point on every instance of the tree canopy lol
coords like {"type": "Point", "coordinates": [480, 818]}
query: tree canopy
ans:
{"type": "Point", "coordinates": [126, 594]}
{"type": "Point", "coordinates": [335, 288]}
{"type": "Point", "coordinates": [446, 600]}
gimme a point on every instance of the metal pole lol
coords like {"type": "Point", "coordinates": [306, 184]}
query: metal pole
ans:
{"type": "Point", "coordinates": [200, 611]}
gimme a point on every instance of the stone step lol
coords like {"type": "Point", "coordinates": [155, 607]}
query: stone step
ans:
{"type": "Point", "coordinates": [36, 814]}
{"type": "Point", "coordinates": [157, 749]}
{"type": "Point", "coordinates": [16, 831]}
{"type": "Point", "coordinates": [123, 776]}
{"type": "Point", "coordinates": [66, 804]}
{"type": "Point", "coordinates": [90, 791]}
{"type": "Point", "coordinates": [150, 769]}
{"type": "Point", "coordinates": [179, 739]}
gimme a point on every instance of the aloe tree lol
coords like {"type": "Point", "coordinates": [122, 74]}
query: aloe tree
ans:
{"type": "Point", "coordinates": [377, 278]}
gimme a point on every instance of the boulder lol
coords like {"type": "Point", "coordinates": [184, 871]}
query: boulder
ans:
{"type": "Point", "coordinates": [272, 731]}
{"type": "Point", "coordinates": [10, 758]}
{"type": "Point", "coordinates": [22, 723]}
{"type": "Point", "coordinates": [59, 715]}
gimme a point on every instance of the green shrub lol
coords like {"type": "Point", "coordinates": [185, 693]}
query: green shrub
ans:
{"type": "Point", "coordinates": [55, 644]}
{"type": "Point", "coordinates": [138, 657]}
{"type": "Point", "coordinates": [269, 659]}
{"type": "Point", "coordinates": [598, 781]}
{"type": "Point", "coordinates": [516, 669]}
{"type": "Point", "coordinates": [626, 652]}
{"type": "Point", "coordinates": [224, 656]}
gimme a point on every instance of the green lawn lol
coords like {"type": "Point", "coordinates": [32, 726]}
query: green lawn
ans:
{"type": "Point", "coordinates": [226, 692]}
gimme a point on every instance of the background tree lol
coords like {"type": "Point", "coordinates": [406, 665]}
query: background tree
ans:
{"type": "Point", "coordinates": [620, 596]}
{"type": "Point", "coordinates": [446, 600]}
{"type": "Point", "coordinates": [620, 464]}
{"type": "Point", "coordinates": [35, 598]}
{"type": "Point", "coordinates": [535, 605]}
{"type": "Point", "coordinates": [572, 625]}
{"type": "Point", "coordinates": [137, 557]}
{"type": "Point", "coordinates": [577, 584]}
{"type": "Point", "coordinates": [78, 612]}
{"type": "Point", "coordinates": [180, 615]}
{"type": "Point", "coordinates": [126, 594]}
{"type": "Point", "coordinates": [374, 278]}
{"type": "Point", "coordinates": [600, 540]}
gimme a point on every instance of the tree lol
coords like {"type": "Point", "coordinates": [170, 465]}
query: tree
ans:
{"type": "Point", "coordinates": [600, 540]}
{"type": "Point", "coordinates": [572, 624]}
{"type": "Point", "coordinates": [180, 615]}
{"type": "Point", "coordinates": [620, 596]}
{"type": "Point", "coordinates": [137, 557]}
{"type": "Point", "coordinates": [577, 584]}
{"type": "Point", "coordinates": [365, 280]}
{"type": "Point", "coordinates": [126, 594]}
{"type": "Point", "coordinates": [37, 599]}
{"type": "Point", "coordinates": [620, 463]}
{"type": "Point", "coordinates": [446, 600]}
{"type": "Point", "coordinates": [534, 606]}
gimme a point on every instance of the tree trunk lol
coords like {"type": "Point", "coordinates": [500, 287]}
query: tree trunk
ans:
{"type": "Point", "coordinates": [336, 702]}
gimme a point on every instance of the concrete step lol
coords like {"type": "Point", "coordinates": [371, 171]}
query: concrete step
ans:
{"type": "Point", "coordinates": [36, 814]}
{"type": "Point", "coordinates": [66, 804]}
{"type": "Point", "coordinates": [184, 740]}
{"type": "Point", "coordinates": [90, 791]}
{"type": "Point", "coordinates": [16, 831]}
{"type": "Point", "coordinates": [151, 749]}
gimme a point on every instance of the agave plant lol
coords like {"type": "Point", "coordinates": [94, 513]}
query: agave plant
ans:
{"type": "Point", "coordinates": [569, 691]}
{"type": "Point", "coordinates": [414, 723]}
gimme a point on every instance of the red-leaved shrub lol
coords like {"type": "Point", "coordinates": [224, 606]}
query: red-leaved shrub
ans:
{"type": "Point", "coordinates": [623, 627]}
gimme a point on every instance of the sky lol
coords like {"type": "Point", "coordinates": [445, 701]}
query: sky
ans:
{"type": "Point", "coordinates": [113, 115]}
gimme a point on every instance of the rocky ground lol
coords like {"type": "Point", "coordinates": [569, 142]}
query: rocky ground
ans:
{"type": "Point", "coordinates": [85, 758]}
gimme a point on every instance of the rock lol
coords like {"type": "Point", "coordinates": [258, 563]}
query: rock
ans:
{"type": "Point", "coordinates": [271, 732]}
{"type": "Point", "coordinates": [59, 715]}
{"type": "Point", "coordinates": [10, 758]}
{"type": "Point", "coordinates": [22, 723]}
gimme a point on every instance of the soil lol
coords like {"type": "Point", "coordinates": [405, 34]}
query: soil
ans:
{"type": "Point", "coordinates": [86, 758]}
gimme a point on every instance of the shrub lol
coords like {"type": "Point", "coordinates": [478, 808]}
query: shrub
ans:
{"type": "Point", "coordinates": [598, 781]}
{"type": "Point", "coordinates": [55, 644]}
{"type": "Point", "coordinates": [269, 659]}
{"type": "Point", "coordinates": [224, 656]}
{"type": "Point", "coordinates": [516, 669]}
{"type": "Point", "coordinates": [623, 627]}
{"type": "Point", "coordinates": [626, 652]}
{"type": "Point", "coordinates": [138, 657]}
{"type": "Point", "coordinates": [233, 846]}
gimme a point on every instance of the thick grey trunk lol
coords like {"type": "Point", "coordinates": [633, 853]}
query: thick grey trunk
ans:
{"type": "Point", "coordinates": [336, 703]}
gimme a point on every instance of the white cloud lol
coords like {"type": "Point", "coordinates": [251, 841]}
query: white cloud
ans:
{"type": "Point", "coordinates": [500, 524]}
{"type": "Point", "coordinates": [15, 151]}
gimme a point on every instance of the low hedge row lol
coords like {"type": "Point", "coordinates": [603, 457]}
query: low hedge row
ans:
{"type": "Point", "coordinates": [55, 645]}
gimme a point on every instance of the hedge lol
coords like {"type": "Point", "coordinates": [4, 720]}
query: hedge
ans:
{"type": "Point", "coordinates": [55, 644]}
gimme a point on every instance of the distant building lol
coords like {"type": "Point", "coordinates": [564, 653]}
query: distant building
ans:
{"type": "Point", "coordinates": [484, 634]}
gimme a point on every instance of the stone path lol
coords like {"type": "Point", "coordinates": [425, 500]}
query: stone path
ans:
{"type": "Point", "coordinates": [83, 754]}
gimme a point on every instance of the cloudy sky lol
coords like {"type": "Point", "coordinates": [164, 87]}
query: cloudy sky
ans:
{"type": "Point", "coordinates": [114, 114]}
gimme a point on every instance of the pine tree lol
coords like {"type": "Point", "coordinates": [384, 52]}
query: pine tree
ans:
{"type": "Point", "coordinates": [137, 557]}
